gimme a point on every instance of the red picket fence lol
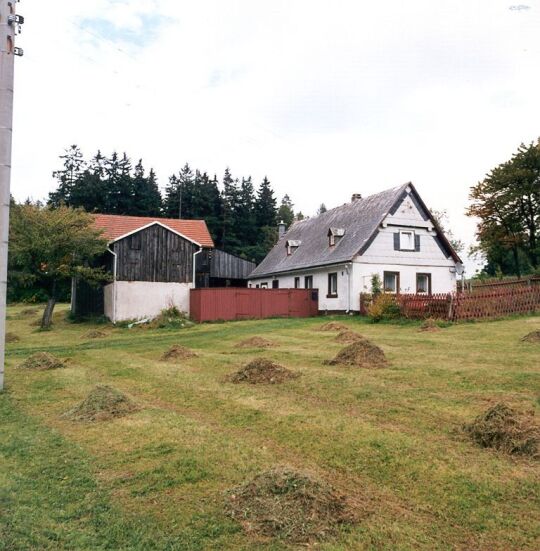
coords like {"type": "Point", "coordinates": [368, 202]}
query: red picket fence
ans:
{"type": "Point", "coordinates": [479, 286]}
{"type": "Point", "coordinates": [501, 302]}
{"type": "Point", "coordinates": [232, 303]}
{"type": "Point", "coordinates": [495, 304]}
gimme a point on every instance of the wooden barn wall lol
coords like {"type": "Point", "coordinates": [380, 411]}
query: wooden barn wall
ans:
{"type": "Point", "coordinates": [155, 254]}
{"type": "Point", "coordinates": [227, 266]}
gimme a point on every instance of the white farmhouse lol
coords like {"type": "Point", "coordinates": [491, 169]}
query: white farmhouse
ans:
{"type": "Point", "coordinates": [392, 234]}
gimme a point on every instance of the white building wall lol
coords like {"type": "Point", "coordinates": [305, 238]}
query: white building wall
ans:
{"type": "Point", "coordinates": [131, 300]}
{"type": "Point", "coordinates": [320, 282]}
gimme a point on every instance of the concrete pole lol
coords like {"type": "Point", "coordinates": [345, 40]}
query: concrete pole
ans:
{"type": "Point", "coordinates": [7, 55]}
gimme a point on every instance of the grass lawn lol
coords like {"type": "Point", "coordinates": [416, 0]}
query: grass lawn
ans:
{"type": "Point", "coordinates": [389, 438]}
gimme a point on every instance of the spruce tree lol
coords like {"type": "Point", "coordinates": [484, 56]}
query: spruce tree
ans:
{"type": "Point", "coordinates": [286, 211]}
{"type": "Point", "coordinates": [265, 205]}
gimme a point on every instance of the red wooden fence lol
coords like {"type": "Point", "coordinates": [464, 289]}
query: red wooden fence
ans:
{"type": "Point", "coordinates": [232, 303]}
{"type": "Point", "coordinates": [496, 303]}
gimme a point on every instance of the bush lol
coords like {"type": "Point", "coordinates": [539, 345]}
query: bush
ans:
{"type": "Point", "coordinates": [384, 307]}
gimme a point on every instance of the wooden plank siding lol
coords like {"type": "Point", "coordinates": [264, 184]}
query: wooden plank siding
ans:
{"type": "Point", "coordinates": [228, 266]}
{"type": "Point", "coordinates": [155, 254]}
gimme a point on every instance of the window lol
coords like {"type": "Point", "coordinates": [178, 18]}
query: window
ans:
{"type": "Point", "coordinates": [332, 285]}
{"type": "Point", "coordinates": [334, 235]}
{"type": "Point", "coordinates": [391, 282]}
{"type": "Point", "coordinates": [264, 285]}
{"type": "Point", "coordinates": [406, 240]}
{"type": "Point", "coordinates": [423, 284]}
{"type": "Point", "coordinates": [297, 283]}
{"type": "Point", "coordinates": [308, 282]}
{"type": "Point", "coordinates": [275, 284]}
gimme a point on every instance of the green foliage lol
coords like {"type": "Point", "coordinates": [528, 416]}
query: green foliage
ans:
{"type": "Point", "coordinates": [286, 211]}
{"type": "Point", "coordinates": [507, 203]}
{"type": "Point", "coordinates": [376, 285]}
{"type": "Point", "coordinates": [384, 308]}
{"type": "Point", "coordinates": [441, 217]}
{"type": "Point", "coordinates": [50, 246]}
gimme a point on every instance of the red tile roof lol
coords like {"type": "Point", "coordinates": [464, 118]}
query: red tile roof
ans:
{"type": "Point", "coordinates": [115, 226]}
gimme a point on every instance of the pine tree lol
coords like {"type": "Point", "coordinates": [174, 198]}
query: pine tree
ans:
{"type": "Point", "coordinates": [265, 205]}
{"type": "Point", "coordinates": [145, 192]}
{"type": "Point", "coordinates": [230, 198]}
{"type": "Point", "coordinates": [178, 194]}
{"type": "Point", "coordinates": [73, 165]}
{"type": "Point", "coordinates": [286, 211]}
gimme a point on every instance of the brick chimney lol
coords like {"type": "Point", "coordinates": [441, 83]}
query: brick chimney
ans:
{"type": "Point", "coordinates": [356, 197]}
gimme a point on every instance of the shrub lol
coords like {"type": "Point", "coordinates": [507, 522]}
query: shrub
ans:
{"type": "Point", "coordinates": [384, 307]}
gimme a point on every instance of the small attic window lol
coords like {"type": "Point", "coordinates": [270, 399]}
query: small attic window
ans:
{"type": "Point", "coordinates": [292, 245]}
{"type": "Point", "coordinates": [334, 235]}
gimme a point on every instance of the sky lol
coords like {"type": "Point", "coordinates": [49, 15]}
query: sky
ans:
{"type": "Point", "coordinates": [326, 98]}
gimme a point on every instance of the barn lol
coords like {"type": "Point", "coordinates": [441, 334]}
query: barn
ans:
{"type": "Point", "coordinates": [153, 264]}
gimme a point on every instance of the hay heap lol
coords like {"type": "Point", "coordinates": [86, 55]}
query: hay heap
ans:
{"type": "Point", "coordinates": [360, 354]}
{"type": "Point", "coordinates": [177, 352]}
{"type": "Point", "coordinates": [11, 337]}
{"type": "Point", "coordinates": [430, 326]}
{"type": "Point", "coordinates": [262, 371]}
{"type": "Point", "coordinates": [256, 342]}
{"type": "Point", "coordinates": [534, 336]}
{"type": "Point", "coordinates": [103, 403]}
{"type": "Point", "coordinates": [95, 334]}
{"type": "Point", "coordinates": [27, 312]}
{"type": "Point", "coordinates": [349, 337]}
{"type": "Point", "coordinates": [290, 505]}
{"type": "Point", "coordinates": [42, 361]}
{"type": "Point", "coordinates": [505, 429]}
{"type": "Point", "coordinates": [333, 326]}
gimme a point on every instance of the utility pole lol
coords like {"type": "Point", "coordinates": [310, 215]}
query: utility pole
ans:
{"type": "Point", "coordinates": [10, 25]}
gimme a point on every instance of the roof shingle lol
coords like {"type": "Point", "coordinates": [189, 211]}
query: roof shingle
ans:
{"type": "Point", "coordinates": [359, 220]}
{"type": "Point", "coordinates": [116, 226]}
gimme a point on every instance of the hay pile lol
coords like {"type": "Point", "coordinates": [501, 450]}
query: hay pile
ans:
{"type": "Point", "coordinates": [503, 428]}
{"type": "Point", "coordinates": [290, 505]}
{"type": "Point", "coordinates": [103, 403]}
{"type": "Point", "coordinates": [42, 361]}
{"type": "Point", "coordinates": [360, 354]}
{"type": "Point", "coordinates": [11, 337]}
{"type": "Point", "coordinates": [430, 326]}
{"type": "Point", "coordinates": [95, 334]}
{"type": "Point", "coordinates": [262, 371]}
{"type": "Point", "coordinates": [28, 312]}
{"type": "Point", "coordinates": [349, 337]}
{"type": "Point", "coordinates": [534, 336]}
{"type": "Point", "coordinates": [256, 342]}
{"type": "Point", "coordinates": [177, 352]}
{"type": "Point", "coordinates": [333, 326]}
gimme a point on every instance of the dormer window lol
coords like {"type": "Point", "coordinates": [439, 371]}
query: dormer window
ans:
{"type": "Point", "coordinates": [292, 245]}
{"type": "Point", "coordinates": [334, 235]}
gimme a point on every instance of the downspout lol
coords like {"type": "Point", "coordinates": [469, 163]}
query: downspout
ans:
{"type": "Point", "coordinates": [114, 284]}
{"type": "Point", "coordinates": [348, 269]}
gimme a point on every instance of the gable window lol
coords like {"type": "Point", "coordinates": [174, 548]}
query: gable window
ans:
{"type": "Point", "coordinates": [423, 284]}
{"type": "Point", "coordinates": [297, 283]}
{"type": "Point", "coordinates": [406, 240]}
{"type": "Point", "coordinates": [308, 282]}
{"type": "Point", "coordinates": [391, 282]}
{"type": "Point", "coordinates": [332, 285]}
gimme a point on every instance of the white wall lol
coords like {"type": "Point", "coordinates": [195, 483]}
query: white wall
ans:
{"type": "Point", "coordinates": [320, 282]}
{"type": "Point", "coordinates": [143, 299]}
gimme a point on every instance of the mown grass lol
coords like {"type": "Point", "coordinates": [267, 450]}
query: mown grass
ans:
{"type": "Point", "coordinates": [389, 438]}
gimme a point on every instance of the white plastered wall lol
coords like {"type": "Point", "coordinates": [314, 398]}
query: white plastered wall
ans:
{"type": "Point", "coordinates": [320, 282]}
{"type": "Point", "coordinates": [133, 300]}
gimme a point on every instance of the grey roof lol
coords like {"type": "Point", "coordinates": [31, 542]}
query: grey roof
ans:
{"type": "Point", "coordinates": [360, 219]}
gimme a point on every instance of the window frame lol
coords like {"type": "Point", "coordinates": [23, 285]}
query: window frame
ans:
{"type": "Point", "coordinates": [275, 284]}
{"type": "Point", "coordinates": [428, 276]}
{"type": "Point", "coordinates": [309, 279]}
{"type": "Point", "coordinates": [332, 278]}
{"type": "Point", "coordinates": [297, 282]}
{"type": "Point", "coordinates": [412, 240]}
{"type": "Point", "coordinates": [264, 285]}
{"type": "Point", "coordinates": [397, 282]}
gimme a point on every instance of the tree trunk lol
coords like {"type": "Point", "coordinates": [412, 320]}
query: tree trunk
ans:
{"type": "Point", "coordinates": [46, 320]}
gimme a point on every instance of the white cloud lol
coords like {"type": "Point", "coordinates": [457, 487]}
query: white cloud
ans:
{"type": "Point", "coordinates": [327, 98]}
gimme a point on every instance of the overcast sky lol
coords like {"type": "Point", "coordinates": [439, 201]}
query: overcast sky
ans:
{"type": "Point", "coordinates": [325, 97]}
